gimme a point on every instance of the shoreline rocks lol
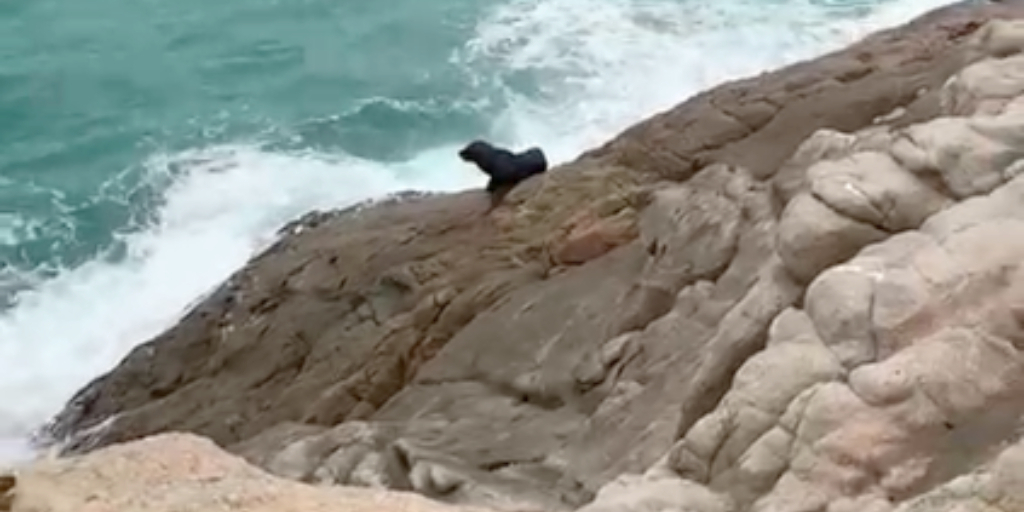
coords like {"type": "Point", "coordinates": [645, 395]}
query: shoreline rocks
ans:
{"type": "Point", "coordinates": [174, 472]}
{"type": "Point", "coordinates": [797, 291]}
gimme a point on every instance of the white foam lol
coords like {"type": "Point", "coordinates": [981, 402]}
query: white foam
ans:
{"type": "Point", "coordinates": [603, 65]}
{"type": "Point", "coordinates": [12, 226]}
{"type": "Point", "coordinates": [16, 227]}
{"type": "Point", "coordinates": [227, 205]}
{"type": "Point", "coordinates": [619, 60]}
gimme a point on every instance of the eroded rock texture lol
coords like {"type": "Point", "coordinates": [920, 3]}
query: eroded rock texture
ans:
{"type": "Point", "coordinates": [796, 292]}
{"type": "Point", "coordinates": [900, 370]}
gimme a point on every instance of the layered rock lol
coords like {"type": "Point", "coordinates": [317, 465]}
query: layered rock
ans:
{"type": "Point", "coordinates": [793, 292]}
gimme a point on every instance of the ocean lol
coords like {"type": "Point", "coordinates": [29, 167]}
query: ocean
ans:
{"type": "Point", "coordinates": [149, 148]}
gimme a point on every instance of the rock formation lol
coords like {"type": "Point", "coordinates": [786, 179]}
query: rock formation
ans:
{"type": "Point", "coordinates": [800, 291]}
{"type": "Point", "coordinates": [176, 472]}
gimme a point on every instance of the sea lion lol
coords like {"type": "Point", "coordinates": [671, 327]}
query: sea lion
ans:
{"type": "Point", "coordinates": [505, 168]}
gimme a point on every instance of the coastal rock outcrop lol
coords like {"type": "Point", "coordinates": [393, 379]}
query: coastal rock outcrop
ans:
{"type": "Point", "coordinates": [898, 377]}
{"type": "Point", "coordinates": [175, 472]}
{"type": "Point", "coordinates": [796, 292]}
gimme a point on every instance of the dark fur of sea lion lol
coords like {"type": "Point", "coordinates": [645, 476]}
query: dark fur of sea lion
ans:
{"type": "Point", "coordinates": [505, 168]}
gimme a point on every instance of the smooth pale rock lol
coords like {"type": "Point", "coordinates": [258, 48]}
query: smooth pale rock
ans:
{"type": "Point", "coordinates": [959, 370]}
{"type": "Point", "coordinates": [1006, 488]}
{"type": "Point", "coordinates": [813, 237]}
{"type": "Point", "coordinates": [839, 302]}
{"type": "Point", "coordinates": [972, 156]}
{"type": "Point", "coordinates": [822, 146]}
{"type": "Point", "coordinates": [853, 197]}
{"type": "Point", "coordinates": [740, 336]}
{"type": "Point", "coordinates": [766, 459]}
{"type": "Point", "coordinates": [871, 187]}
{"type": "Point", "coordinates": [996, 489]}
{"type": "Point", "coordinates": [792, 325]}
{"type": "Point", "coordinates": [861, 504]}
{"type": "Point", "coordinates": [999, 38]}
{"type": "Point", "coordinates": [634, 493]}
{"type": "Point", "coordinates": [1003, 203]}
{"type": "Point", "coordinates": [937, 393]}
{"type": "Point", "coordinates": [750, 408]}
{"type": "Point", "coordinates": [815, 362]}
{"type": "Point", "coordinates": [984, 88]}
{"type": "Point", "coordinates": [175, 472]}
{"type": "Point", "coordinates": [303, 455]}
{"type": "Point", "coordinates": [693, 456]}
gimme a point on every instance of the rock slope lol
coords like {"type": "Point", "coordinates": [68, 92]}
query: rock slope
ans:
{"type": "Point", "coordinates": [177, 472]}
{"type": "Point", "coordinates": [795, 292]}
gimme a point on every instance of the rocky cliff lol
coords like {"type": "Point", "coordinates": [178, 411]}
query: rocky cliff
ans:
{"type": "Point", "coordinates": [800, 291]}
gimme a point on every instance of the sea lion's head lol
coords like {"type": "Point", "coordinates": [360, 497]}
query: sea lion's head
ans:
{"type": "Point", "coordinates": [476, 151]}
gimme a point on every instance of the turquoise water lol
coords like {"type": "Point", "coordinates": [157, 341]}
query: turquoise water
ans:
{"type": "Point", "coordinates": [148, 148]}
{"type": "Point", "coordinates": [90, 88]}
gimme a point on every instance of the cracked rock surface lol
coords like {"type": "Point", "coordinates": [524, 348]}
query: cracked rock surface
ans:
{"type": "Point", "coordinates": [800, 292]}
